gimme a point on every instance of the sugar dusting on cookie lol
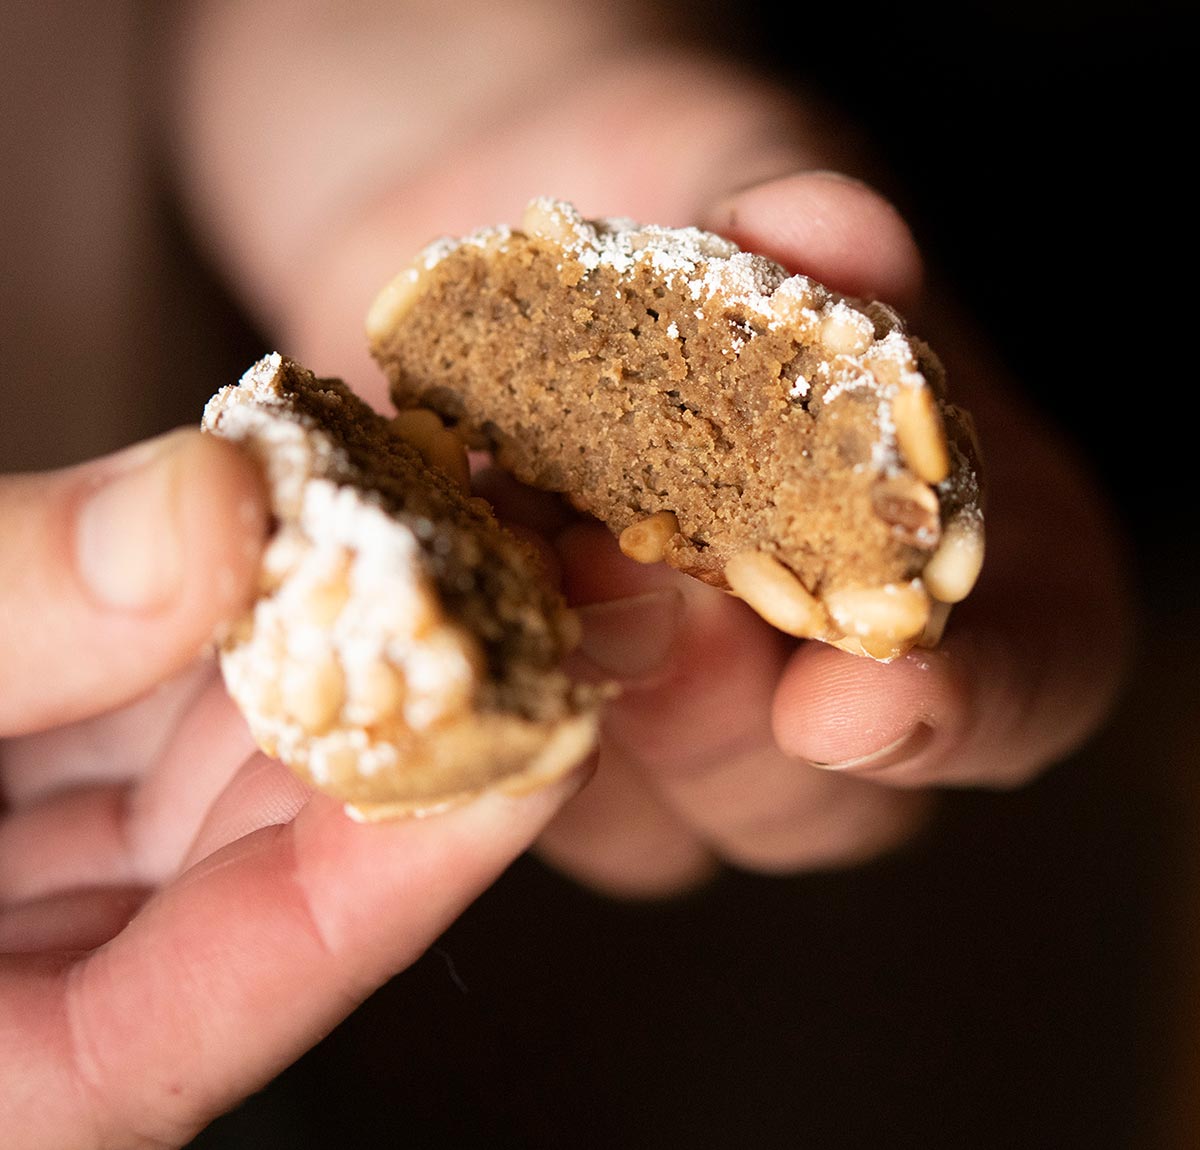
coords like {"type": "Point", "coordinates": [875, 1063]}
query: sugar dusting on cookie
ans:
{"type": "Point", "coordinates": [349, 666]}
{"type": "Point", "coordinates": [717, 271]}
{"type": "Point", "coordinates": [345, 648]}
{"type": "Point", "coordinates": [658, 374]}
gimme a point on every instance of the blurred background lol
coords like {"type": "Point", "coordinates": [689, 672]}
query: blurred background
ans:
{"type": "Point", "coordinates": [1025, 974]}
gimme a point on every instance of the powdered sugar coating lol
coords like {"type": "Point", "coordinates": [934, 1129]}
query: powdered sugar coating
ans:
{"type": "Point", "coordinates": [350, 666]}
{"type": "Point", "coordinates": [644, 369]}
{"type": "Point", "coordinates": [334, 534]}
{"type": "Point", "coordinates": [716, 272]}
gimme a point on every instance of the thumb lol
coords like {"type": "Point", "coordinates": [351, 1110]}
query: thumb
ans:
{"type": "Point", "coordinates": [115, 573]}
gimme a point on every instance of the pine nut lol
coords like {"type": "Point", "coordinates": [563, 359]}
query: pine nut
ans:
{"type": "Point", "coordinates": [881, 650]}
{"type": "Point", "coordinates": [844, 332]}
{"type": "Point", "coordinates": [954, 567]}
{"type": "Point", "coordinates": [910, 507]}
{"type": "Point", "coordinates": [775, 593]}
{"type": "Point", "coordinates": [448, 453]}
{"type": "Point", "coordinates": [893, 612]}
{"type": "Point", "coordinates": [392, 304]}
{"type": "Point", "coordinates": [313, 693]}
{"type": "Point", "coordinates": [417, 426]}
{"type": "Point", "coordinates": [939, 615]}
{"type": "Point", "coordinates": [438, 447]}
{"type": "Point", "coordinates": [282, 556]}
{"type": "Point", "coordinates": [920, 434]}
{"type": "Point", "coordinates": [376, 692]}
{"type": "Point", "coordinates": [646, 540]}
{"type": "Point", "coordinates": [323, 600]}
{"type": "Point", "coordinates": [542, 218]}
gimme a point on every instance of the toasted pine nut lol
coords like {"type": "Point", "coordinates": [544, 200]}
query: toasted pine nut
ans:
{"type": "Point", "coordinates": [844, 332]}
{"type": "Point", "coordinates": [886, 319]}
{"type": "Point", "coordinates": [391, 305]}
{"type": "Point", "coordinates": [313, 693]}
{"type": "Point", "coordinates": [333, 765]}
{"type": "Point", "coordinates": [646, 540]}
{"type": "Point", "coordinates": [910, 507]}
{"type": "Point", "coordinates": [448, 453]}
{"type": "Point", "coordinates": [954, 567]}
{"type": "Point", "coordinates": [281, 557]}
{"type": "Point", "coordinates": [541, 218]}
{"type": "Point", "coordinates": [892, 612]}
{"type": "Point", "coordinates": [267, 695]}
{"type": "Point", "coordinates": [796, 299]}
{"type": "Point", "coordinates": [920, 434]}
{"type": "Point", "coordinates": [939, 615]}
{"type": "Point", "coordinates": [376, 692]}
{"type": "Point", "coordinates": [439, 447]}
{"type": "Point", "coordinates": [775, 593]}
{"type": "Point", "coordinates": [417, 426]}
{"type": "Point", "coordinates": [324, 599]}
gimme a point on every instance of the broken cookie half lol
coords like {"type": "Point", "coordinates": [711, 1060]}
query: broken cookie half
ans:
{"type": "Point", "coordinates": [403, 651]}
{"type": "Point", "coordinates": [751, 428]}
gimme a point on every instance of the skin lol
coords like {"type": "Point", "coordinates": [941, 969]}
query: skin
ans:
{"type": "Point", "coordinates": [150, 858]}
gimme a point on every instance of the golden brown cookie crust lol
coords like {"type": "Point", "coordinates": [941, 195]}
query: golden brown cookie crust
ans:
{"type": "Point", "coordinates": [403, 651]}
{"type": "Point", "coordinates": [751, 428]}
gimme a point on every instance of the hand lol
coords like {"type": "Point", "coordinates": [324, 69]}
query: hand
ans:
{"type": "Point", "coordinates": [179, 917]}
{"type": "Point", "coordinates": [711, 753]}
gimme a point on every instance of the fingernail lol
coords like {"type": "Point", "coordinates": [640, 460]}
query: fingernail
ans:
{"type": "Point", "coordinates": [839, 177]}
{"type": "Point", "coordinates": [631, 638]}
{"type": "Point", "coordinates": [128, 546]}
{"type": "Point", "coordinates": [905, 747]}
{"type": "Point", "coordinates": [781, 166]}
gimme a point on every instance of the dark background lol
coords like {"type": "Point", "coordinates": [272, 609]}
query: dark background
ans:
{"type": "Point", "coordinates": [1020, 975]}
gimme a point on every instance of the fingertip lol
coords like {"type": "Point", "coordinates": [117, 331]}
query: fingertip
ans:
{"type": "Point", "coordinates": [381, 891]}
{"type": "Point", "coordinates": [981, 710]}
{"type": "Point", "coordinates": [121, 570]}
{"type": "Point", "coordinates": [168, 542]}
{"type": "Point", "coordinates": [224, 518]}
{"type": "Point", "coordinates": [167, 529]}
{"type": "Point", "coordinates": [831, 227]}
{"type": "Point", "coordinates": [845, 712]}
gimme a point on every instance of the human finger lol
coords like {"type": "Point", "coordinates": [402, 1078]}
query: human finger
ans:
{"type": "Point", "coordinates": [688, 757]}
{"type": "Point", "coordinates": [137, 830]}
{"type": "Point", "coordinates": [115, 573]}
{"type": "Point", "coordinates": [828, 226]}
{"type": "Point", "coordinates": [1031, 660]}
{"type": "Point", "coordinates": [689, 771]}
{"type": "Point", "coordinates": [116, 746]}
{"type": "Point", "coordinates": [618, 836]}
{"type": "Point", "coordinates": [77, 919]}
{"type": "Point", "coordinates": [291, 925]}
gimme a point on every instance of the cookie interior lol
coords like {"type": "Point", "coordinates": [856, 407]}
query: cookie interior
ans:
{"type": "Point", "coordinates": [645, 370]}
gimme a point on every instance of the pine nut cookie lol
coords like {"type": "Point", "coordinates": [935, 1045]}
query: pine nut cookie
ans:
{"type": "Point", "coordinates": [751, 428]}
{"type": "Point", "coordinates": [403, 651]}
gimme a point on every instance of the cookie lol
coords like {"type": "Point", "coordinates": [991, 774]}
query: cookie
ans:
{"type": "Point", "coordinates": [403, 651]}
{"type": "Point", "coordinates": [751, 428]}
